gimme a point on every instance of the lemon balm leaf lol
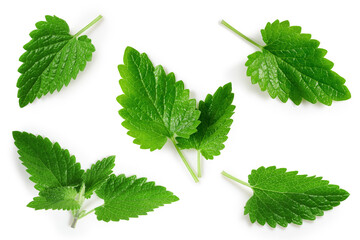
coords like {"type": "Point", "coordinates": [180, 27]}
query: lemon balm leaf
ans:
{"type": "Point", "coordinates": [281, 197]}
{"type": "Point", "coordinates": [129, 197]}
{"type": "Point", "coordinates": [53, 57]}
{"type": "Point", "coordinates": [98, 174]}
{"type": "Point", "coordinates": [215, 118]}
{"type": "Point", "coordinates": [155, 107]}
{"type": "Point", "coordinates": [49, 165]}
{"type": "Point", "coordinates": [291, 65]}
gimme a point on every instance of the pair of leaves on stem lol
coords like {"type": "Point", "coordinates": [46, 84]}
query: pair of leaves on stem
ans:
{"type": "Point", "coordinates": [53, 57]}
{"type": "Point", "coordinates": [282, 197]}
{"type": "Point", "coordinates": [291, 65]}
{"type": "Point", "coordinates": [62, 184]}
{"type": "Point", "coordinates": [156, 108]}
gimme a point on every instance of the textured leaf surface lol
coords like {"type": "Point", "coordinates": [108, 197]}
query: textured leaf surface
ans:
{"type": "Point", "coordinates": [282, 197]}
{"type": "Point", "coordinates": [98, 174]}
{"type": "Point", "coordinates": [53, 57]}
{"type": "Point", "coordinates": [60, 198]}
{"type": "Point", "coordinates": [215, 118]}
{"type": "Point", "coordinates": [292, 66]}
{"type": "Point", "coordinates": [129, 197]}
{"type": "Point", "coordinates": [155, 105]}
{"type": "Point", "coordinates": [49, 165]}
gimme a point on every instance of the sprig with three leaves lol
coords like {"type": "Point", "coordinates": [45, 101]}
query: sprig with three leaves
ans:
{"type": "Point", "coordinates": [63, 185]}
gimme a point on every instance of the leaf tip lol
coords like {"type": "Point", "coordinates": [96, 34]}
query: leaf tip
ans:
{"type": "Point", "coordinates": [129, 50]}
{"type": "Point", "coordinates": [16, 134]}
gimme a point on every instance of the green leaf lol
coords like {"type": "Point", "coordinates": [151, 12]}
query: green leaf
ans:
{"type": "Point", "coordinates": [291, 65]}
{"type": "Point", "coordinates": [49, 165]}
{"type": "Point", "coordinates": [60, 198]}
{"type": "Point", "coordinates": [215, 118]}
{"type": "Point", "coordinates": [282, 197]}
{"type": "Point", "coordinates": [155, 106]}
{"type": "Point", "coordinates": [98, 174]}
{"type": "Point", "coordinates": [53, 57]}
{"type": "Point", "coordinates": [129, 197]}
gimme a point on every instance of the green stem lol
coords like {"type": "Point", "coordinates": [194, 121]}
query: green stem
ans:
{"type": "Point", "coordinates": [85, 214]}
{"type": "Point", "coordinates": [81, 214]}
{"type": "Point", "coordinates": [88, 26]}
{"type": "Point", "coordinates": [235, 179]}
{"type": "Point", "coordinates": [240, 34]}
{"type": "Point", "coordinates": [76, 216]}
{"type": "Point", "coordinates": [184, 160]}
{"type": "Point", "coordinates": [73, 225]}
{"type": "Point", "coordinates": [198, 163]}
{"type": "Point", "coordinates": [80, 200]}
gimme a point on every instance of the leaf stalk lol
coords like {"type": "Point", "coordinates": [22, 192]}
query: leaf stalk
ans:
{"type": "Point", "coordinates": [88, 26]}
{"type": "Point", "coordinates": [235, 179]}
{"type": "Point", "coordinates": [78, 214]}
{"type": "Point", "coordinates": [240, 34]}
{"type": "Point", "coordinates": [184, 160]}
{"type": "Point", "coordinates": [87, 213]}
{"type": "Point", "coordinates": [73, 225]}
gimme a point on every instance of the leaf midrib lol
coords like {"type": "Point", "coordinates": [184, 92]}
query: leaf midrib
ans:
{"type": "Point", "coordinates": [205, 135]}
{"type": "Point", "coordinates": [148, 95]}
{"type": "Point", "coordinates": [42, 72]}
{"type": "Point", "coordinates": [299, 193]}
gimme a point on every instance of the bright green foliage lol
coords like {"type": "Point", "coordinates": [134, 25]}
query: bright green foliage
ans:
{"type": "Point", "coordinates": [155, 106]}
{"type": "Point", "coordinates": [282, 197]}
{"type": "Point", "coordinates": [98, 174]}
{"type": "Point", "coordinates": [63, 185]}
{"type": "Point", "coordinates": [129, 197]}
{"type": "Point", "coordinates": [49, 165]}
{"type": "Point", "coordinates": [60, 198]}
{"type": "Point", "coordinates": [215, 118]}
{"type": "Point", "coordinates": [292, 65]}
{"type": "Point", "coordinates": [53, 57]}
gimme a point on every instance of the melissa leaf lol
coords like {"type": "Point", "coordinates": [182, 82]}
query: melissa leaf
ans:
{"type": "Point", "coordinates": [63, 185]}
{"type": "Point", "coordinates": [98, 174]}
{"type": "Point", "coordinates": [49, 165]}
{"type": "Point", "coordinates": [156, 107]}
{"type": "Point", "coordinates": [291, 65]}
{"type": "Point", "coordinates": [281, 197]}
{"type": "Point", "coordinates": [129, 197]}
{"type": "Point", "coordinates": [53, 57]}
{"type": "Point", "coordinates": [215, 118]}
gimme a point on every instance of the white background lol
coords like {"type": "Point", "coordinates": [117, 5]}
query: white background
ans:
{"type": "Point", "coordinates": [186, 38]}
